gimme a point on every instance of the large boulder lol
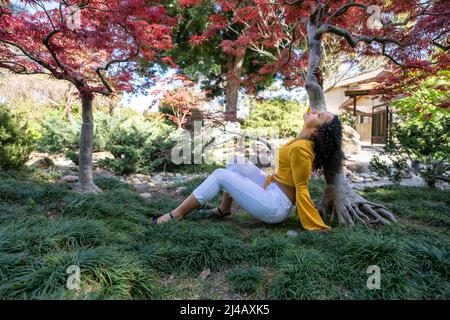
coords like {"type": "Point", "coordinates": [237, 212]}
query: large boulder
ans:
{"type": "Point", "coordinates": [41, 163]}
{"type": "Point", "coordinates": [351, 140]}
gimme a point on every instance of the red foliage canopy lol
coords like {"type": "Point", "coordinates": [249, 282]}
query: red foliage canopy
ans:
{"type": "Point", "coordinates": [87, 42]}
{"type": "Point", "coordinates": [413, 35]}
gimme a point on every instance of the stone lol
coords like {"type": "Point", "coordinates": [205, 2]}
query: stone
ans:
{"type": "Point", "coordinates": [368, 179]}
{"type": "Point", "coordinates": [103, 173]}
{"type": "Point", "coordinates": [69, 179]}
{"type": "Point", "coordinates": [96, 156]}
{"type": "Point", "coordinates": [141, 187]}
{"type": "Point", "coordinates": [62, 162]}
{"type": "Point", "coordinates": [170, 174]}
{"type": "Point", "coordinates": [357, 180]}
{"type": "Point", "coordinates": [292, 234]}
{"type": "Point", "coordinates": [375, 178]}
{"type": "Point", "coordinates": [357, 167]}
{"type": "Point", "coordinates": [135, 181]}
{"type": "Point", "coordinates": [178, 176]}
{"type": "Point", "coordinates": [43, 163]}
{"type": "Point", "coordinates": [146, 195]}
{"type": "Point", "coordinates": [350, 141]}
{"type": "Point", "coordinates": [179, 190]}
{"type": "Point", "coordinates": [365, 175]}
{"type": "Point", "coordinates": [158, 178]}
{"type": "Point", "coordinates": [405, 175]}
{"type": "Point", "coordinates": [205, 273]}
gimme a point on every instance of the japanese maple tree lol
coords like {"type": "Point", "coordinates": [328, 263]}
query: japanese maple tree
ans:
{"type": "Point", "coordinates": [215, 42]}
{"type": "Point", "coordinates": [412, 35]}
{"type": "Point", "coordinates": [181, 104]}
{"type": "Point", "coordinates": [91, 43]}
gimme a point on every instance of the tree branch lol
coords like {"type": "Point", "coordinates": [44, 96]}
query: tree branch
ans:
{"type": "Point", "coordinates": [354, 40]}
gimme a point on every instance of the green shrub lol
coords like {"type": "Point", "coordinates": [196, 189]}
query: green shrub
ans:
{"type": "Point", "coordinates": [16, 141]}
{"type": "Point", "coordinates": [393, 170]}
{"type": "Point", "coordinates": [139, 146]}
{"type": "Point", "coordinates": [347, 118]}
{"type": "Point", "coordinates": [73, 155]}
{"type": "Point", "coordinates": [277, 116]}
{"type": "Point", "coordinates": [58, 135]}
{"type": "Point", "coordinates": [420, 136]}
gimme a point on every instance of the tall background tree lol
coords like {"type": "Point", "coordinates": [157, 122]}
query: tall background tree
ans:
{"type": "Point", "coordinates": [91, 43]}
{"type": "Point", "coordinates": [411, 35]}
{"type": "Point", "coordinates": [234, 45]}
{"type": "Point", "coordinates": [214, 44]}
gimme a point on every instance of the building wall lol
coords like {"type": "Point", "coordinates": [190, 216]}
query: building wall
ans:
{"type": "Point", "coordinates": [334, 98]}
{"type": "Point", "coordinates": [364, 130]}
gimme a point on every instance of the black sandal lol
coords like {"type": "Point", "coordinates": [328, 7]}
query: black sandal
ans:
{"type": "Point", "coordinates": [155, 218]}
{"type": "Point", "coordinates": [223, 214]}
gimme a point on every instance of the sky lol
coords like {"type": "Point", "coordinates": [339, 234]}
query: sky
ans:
{"type": "Point", "coordinates": [141, 102]}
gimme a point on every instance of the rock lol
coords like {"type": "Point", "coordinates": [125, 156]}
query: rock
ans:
{"type": "Point", "coordinates": [135, 181]}
{"type": "Point", "coordinates": [357, 179]}
{"type": "Point", "coordinates": [146, 195]}
{"type": "Point", "coordinates": [103, 173]}
{"type": "Point", "coordinates": [151, 184]}
{"type": "Point", "coordinates": [178, 176]}
{"type": "Point", "coordinates": [405, 175]}
{"type": "Point", "coordinates": [146, 177]}
{"type": "Point", "coordinates": [69, 179]}
{"type": "Point", "coordinates": [350, 140]}
{"type": "Point", "coordinates": [180, 190]}
{"type": "Point", "coordinates": [205, 273]}
{"type": "Point", "coordinates": [292, 234]}
{"type": "Point", "coordinates": [375, 178]}
{"type": "Point", "coordinates": [96, 156]}
{"type": "Point", "coordinates": [62, 162]}
{"type": "Point", "coordinates": [140, 176]}
{"type": "Point", "coordinates": [365, 175]}
{"type": "Point", "coordinates": [170, 174]}
{"type": "Point", "coordinates": [368, 179]}
{"type": "Point", "coordinates": [43, 163]}
{"type": "Point", "coordinates": [158, 178]}
{"type": "Point", "coordinates": [357, 167]}
{"type": "Point", "coordinates": [141, 187]}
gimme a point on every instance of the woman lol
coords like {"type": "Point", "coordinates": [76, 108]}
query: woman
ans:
{"type": "Point", "coordinates": [270, 198]}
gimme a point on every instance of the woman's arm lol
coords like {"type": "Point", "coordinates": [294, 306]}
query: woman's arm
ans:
{"type": "Point", "coordinates": [301, 164]}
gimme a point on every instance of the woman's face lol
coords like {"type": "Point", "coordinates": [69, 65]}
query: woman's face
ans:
{"type": "Point", "coordinates": [315, 119]}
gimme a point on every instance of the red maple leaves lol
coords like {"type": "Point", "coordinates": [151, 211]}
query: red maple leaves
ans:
{"type": "Point", "coordinates": [92, 44]}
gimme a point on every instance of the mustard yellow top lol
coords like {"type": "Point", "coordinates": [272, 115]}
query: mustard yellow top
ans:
{"type": "Point", "coordinates": [293, 166]}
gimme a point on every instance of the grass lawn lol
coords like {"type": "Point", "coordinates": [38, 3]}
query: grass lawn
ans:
{"type": "Point", "coordinates": [46, 227]}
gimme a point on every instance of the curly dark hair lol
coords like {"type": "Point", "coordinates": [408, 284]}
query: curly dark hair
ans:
{"type": "Point", "coordinates": [328, 147]}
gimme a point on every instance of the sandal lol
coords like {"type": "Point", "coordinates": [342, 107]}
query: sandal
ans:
{"type": "Point", "coordinates": [221, 213]}
{"type": "Point", "coordinates": [155, 218]}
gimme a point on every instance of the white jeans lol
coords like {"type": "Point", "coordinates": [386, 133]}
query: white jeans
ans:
{"type": "Point", "coordinates": [244, 182]}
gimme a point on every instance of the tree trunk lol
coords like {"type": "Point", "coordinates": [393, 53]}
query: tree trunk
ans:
{"type": "Point", "coordinates": [69, 114]}
{"type": "Point", "coordinates": [235, 64]}
{"type": "Point", "coordinates": [85, 175]}
{"type": "Point", "coordinates": [113, 106]}
{"type": "Point", "coordinates": [339, 200]}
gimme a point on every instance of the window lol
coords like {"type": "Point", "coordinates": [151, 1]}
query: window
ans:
{"type": "Point", "coordinates": [364, 119]}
